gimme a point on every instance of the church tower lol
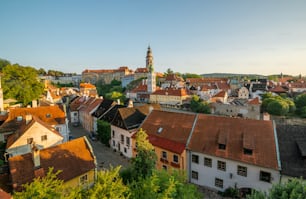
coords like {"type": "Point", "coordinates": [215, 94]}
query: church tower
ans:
{"type": "Point", "coordinates": [1, 97]}
{"type": "Point", "coordinates": [151, 82]}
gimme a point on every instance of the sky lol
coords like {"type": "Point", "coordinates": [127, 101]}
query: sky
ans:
{"type": "Point", "coordinates": [197, 36]}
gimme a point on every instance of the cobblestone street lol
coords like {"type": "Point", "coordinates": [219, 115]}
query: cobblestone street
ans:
{"type": "Point", "coordinates": [105, 156]}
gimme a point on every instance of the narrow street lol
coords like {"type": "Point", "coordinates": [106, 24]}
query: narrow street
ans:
{"type": "Point", "coordinates": [105, 156]}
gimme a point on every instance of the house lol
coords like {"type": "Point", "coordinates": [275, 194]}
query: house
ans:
{"type": "Point", "coordinates": [85, 112]}
{"type": "Point", "coordinates": [103, 108]}
{"type": "Point", "coordinates": [73, 109]}
{"type": "Point", "coordinates": [140, 93]}
{"type": "Point", "coordinates": [88, 89]}
{"type": "Point", "coordinates": [125, 124]}
{"type": "Point", "coordinates": [238, 108]}
{"type": "Point", "coordinates": [292, 149]}
{"type": "Point", "coordinates": [33, 132]}
{"type": "Point", "coordinates": [221, 96]}
{"type": "Point", "coordinates": [169, 97]}
{"type": "Point", "coordinates": [243, 93]}
{"type": "Point", "coordinates": [75, 159]}
{"type": "Point", "coordinates": [233, 152]}
{"type": "Point", "coordinates": [173, 81]}
{"type": "Point", "coordinates": [169, 132]}
{"type": "Point", "coordinates": [54, 116]}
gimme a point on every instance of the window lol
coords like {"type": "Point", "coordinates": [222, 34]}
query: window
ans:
{"type": "Point", "coordinates": [164, 155]}
{"type": "Point", "coordinates": [222, 165]}
{"type": "Point", "coordinates": [219, 182]}
{"type": "Point", "coordinates": [113, 133]}
{"type": "Point", "coordinates": [127, 141]}
{"type": "Point", "coordinates": [29, 140]}
{"type": "Point", "coordinates": [194, 175]}
{"type": "Point", "coordinates": [208, 162]}
{"type": "Point", "coordinates": [58, 129]}
{"type": "Point", "coordinates": [75, 114]}
{"type": "Point", "coordinates": [44, 137]}
{"type": "Point", "coordinates": [165, 167]}
{"type": "Point", "coordinates": [222, 146]}
{"type": "Point", "coordinates": [195, 159]}
{"type": "Point", "coordinates": [122, 139]}
{"type": "Point", "coordinates": [114, 143]}
{"type": "Point", "coordinates": [124, 150]}
{"type": "Point", "coordinates": [265, 176]}
{"type": "Point", "coordinates": [242, 171]}
{"type": "Point", "coordinates": [247, 151]}
{"type": "Point", "coordinates": [83, 179]}
{"type": "Point", "coordinates": [175, 158]}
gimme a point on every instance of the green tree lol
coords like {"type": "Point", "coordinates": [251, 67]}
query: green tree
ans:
{"type": "Point", "coordinates": [41, 71]}
{"type": "Point", "coordinates": [144, 163]}
{"type": "Point", "coordinates": [104, 131]}
{"type": "Point", "coordinates": [109, 185]}
{"type": "Point", "coordinates": [48, 187]}
{"type": "Point", "coordinates": [199, 106]}
{"type": "Point", "coordinates": [21, 83]}
{"type": "Point", "coordinates": [294, 189]}
{"type": "Point", "coordinates": [3, 63]}
{"type": "Point", "coordinates": [300, 101]}
{"type": "Point", "coordinates": [278, 107]}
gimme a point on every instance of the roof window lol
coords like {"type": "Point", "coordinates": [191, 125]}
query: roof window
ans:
{"type": "Point", "coordinates": [160, 130]}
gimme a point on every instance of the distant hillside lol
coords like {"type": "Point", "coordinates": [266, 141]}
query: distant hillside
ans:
{"type": "Point", "coordinates": [229, 75]}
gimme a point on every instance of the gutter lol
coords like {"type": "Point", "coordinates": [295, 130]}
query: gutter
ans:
{"type": "Point", "coordinates": [277, 149]}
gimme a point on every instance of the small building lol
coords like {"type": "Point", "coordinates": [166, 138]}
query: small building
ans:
{"type": "Point", "coordinates": [75, 159]}
{"type": "Point", "coordinates": [169, 97]}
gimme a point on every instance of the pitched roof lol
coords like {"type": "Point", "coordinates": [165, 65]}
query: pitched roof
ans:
{"type": "Point", "coordinates": [141, 70]}
{"type": "Point", "coordinates": [254, 101]}
{"type": "Point", "coordinates": [103, 107]}
{"type": "Point", "coordinates": [220, 94]}
{"type": "Point", "coordinates": [278, 89]}
{"type": "Point", "coordinates": [96, 102]}
{"type": "Point", "coordinates": [171, 92]}
{"type": "Point", "coordinates": [87, 85]}
{"type": "Point", "coordinates": [24, 127]}
{"type": "Point", "coordinates": [239, 133]}
{"type": "Point", "coordinates": [134, 116]}
{"type": "Point", "coordinates": [73, 158]}
{"type": "Point", "coordinates": [4, 195]}
{"type": "Point", "coordinates": [173, 77]}
{"type": "Point", "coordinates": [77, 102]}
{"type": "Point", "coordinates": [169, 130]}
{"type": "Point", "coordinates": [292, 147]}
{"type": "Point", "coordinates": [49, 114]}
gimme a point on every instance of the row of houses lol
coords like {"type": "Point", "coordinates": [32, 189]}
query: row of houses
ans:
{"type": "Point", "coordinates": [215, 151]}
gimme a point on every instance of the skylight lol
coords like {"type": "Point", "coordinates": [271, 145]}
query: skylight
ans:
{"type": "Point", "coordinates": [160, 130]}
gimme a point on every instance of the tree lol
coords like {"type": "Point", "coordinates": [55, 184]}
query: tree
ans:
{"type": "Point", "coordinates": [41, 71]}
{"type": "Point", "coordinates": [144, 163]}
{"type": "Point", "coordinates": [199, 106]}
{"type": "Point", "coordinates": [104, 131]}
{"type": "Point", "coordinates": [278, 107]}
{"type": "Point", "coordinates": [294, 189]}
{"type": "Point", "coordinates": [3, 63]}
{"type": "Point", "coordinates": [21, 83]}
{"type": "Point", "coordinates": [109, 185]}
{"type": "Point", "coordinates": [300, 101]}
{"type": "Point", "coordinates": [48, 187]}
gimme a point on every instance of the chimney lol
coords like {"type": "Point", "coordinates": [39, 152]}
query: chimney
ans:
{"type": "Point", "coordinates": [28, 118]}
{"type": "Point", "coordinates": [36, 156]}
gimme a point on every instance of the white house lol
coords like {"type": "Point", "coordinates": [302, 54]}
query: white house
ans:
{"type": "Point", "coordinates": [232, 152]}
{"type": "Point", "coordinates": [33, 133]}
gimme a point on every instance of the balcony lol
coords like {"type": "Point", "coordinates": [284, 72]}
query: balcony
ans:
{"type": "Point", "coordinates": [175, 164]}
{"type": "Point", "coordinates": [163, 160]}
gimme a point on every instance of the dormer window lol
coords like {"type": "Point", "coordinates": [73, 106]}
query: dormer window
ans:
{"type": "Point", "coordinates": [248, 144]}
{"type": "Point", "coordinates": [48, 115]}
{"type": "Point", "coordinates": [222, 140]}
{"type": "Point", "coordinates": [247, 151]}
{"type": "Point", "coordinates": [222, 146]}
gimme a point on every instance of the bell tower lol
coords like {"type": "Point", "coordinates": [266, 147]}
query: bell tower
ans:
{"type": "Point", "coordinates": [151, 83]}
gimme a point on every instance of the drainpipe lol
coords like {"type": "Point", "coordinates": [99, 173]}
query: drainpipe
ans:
{"type": "Point", "coordinates": [277, 150]}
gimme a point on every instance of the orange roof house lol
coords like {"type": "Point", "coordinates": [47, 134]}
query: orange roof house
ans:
{"type": "Point", "coordinates": [75, 160]}
{"type": "Point", "coordinates": [168, 132]}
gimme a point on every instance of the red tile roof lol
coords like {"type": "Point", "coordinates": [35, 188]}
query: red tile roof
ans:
{"type": "Point", "coordinates": [140, 88]}
{"type": "Point", "coordinates": [141, 70]}
{"type": "Point", "coordinates": [51, 115]}
{"type": "Point", "coordinates": [220, 94]}
{"type": "Point", "coordinates": [87, 85]}
{"type": "Point", "coordinates": [278, 89]}
{"type": "Point", "coordinates": [171, 92]}
{"type": "Point", "coordinates": [169, 130]}
{"type": "Point", "coordinates": [73, 158]}
{"type": "Point", "coordinates": [173, 77]}
{"type": "Point", "coordinates": [207, 129]}
{"type": "Point", "coordinates": [4, 195]}
{"type": "Point", "coordinates": [254, 101]}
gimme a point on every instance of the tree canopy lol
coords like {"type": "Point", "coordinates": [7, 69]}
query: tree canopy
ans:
{"type": "Point", "coordinates": [21, 83]}
{"type": "Point", "coordinates": [199, 106]}
{"type": "Point", "coordinates": [3, 63]}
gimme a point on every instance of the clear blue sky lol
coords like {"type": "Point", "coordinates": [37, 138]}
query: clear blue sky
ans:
{"type": "Point", "coordinates": [198, 36]}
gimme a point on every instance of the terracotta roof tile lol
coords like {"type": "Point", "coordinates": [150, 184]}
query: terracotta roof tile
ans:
{"type": "Point", "coordinates": [220, 94]}
{"type": "Point", "coordinates": [254, 101]}
{"type": "Point", "coordinates": [169, 129]}
{"type": "Point", "coordinates": [171, 92]}
{"type": "Point", "coordinates": [141, 70]}
{"type": "Point", "coordinates": [205, 139]}
{"type": "Point", "coordinates": [51, 115]}
{"type": "Point", "coordinates": [4, 195]}
{"type": "Point", "coordinates": [73, 158]}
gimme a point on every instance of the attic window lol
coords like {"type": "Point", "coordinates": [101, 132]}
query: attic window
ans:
{"type": "Point", "coordinates": [48, 115]}
{"type": "Point", "coordinates": [222, 146]}
{"type": "Point", "coordinates": [222, 140]}
{"type": "Point", "coordinates": [160, 130]}
{"type": "Point", "coordinates": [248, 143]}
{"type": "Point", "coordinates": [302, 147]}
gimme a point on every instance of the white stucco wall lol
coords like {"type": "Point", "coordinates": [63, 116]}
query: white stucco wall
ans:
{"type": "Point", "coordinates": [117, 140]}
{"type": "Point", "coordinates": [207, 175]}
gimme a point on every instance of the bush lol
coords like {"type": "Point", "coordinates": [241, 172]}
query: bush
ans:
{"type": "Point", "coordinates": [231, 192]}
